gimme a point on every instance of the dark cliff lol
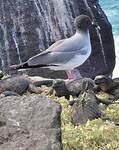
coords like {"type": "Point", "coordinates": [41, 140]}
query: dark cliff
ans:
{"type": "Point", "coordinates": [28, 27]}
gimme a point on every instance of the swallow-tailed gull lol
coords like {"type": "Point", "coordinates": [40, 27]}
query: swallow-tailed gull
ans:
{"type": "Point", "coordinates": [65, 54]}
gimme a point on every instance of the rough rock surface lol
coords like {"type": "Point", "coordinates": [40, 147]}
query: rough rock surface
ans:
{"type": "Point", "coordinates": [21, 84]}
{"type": "Point", "coordinates": [87, 109]}
{"type": "Point", "coordinates": [16, 84]}
{"type": "Point", "coordinates": [66, 88]}
{"type": "Point", "coordinates": [8, 93]}
{"type": "Point", "coordinates": [108, 85]}
{"type": "Point", "coordinates": [29, 123]}
{"type": "Point", "coordinates": [86, 106]}
{"type": "Point", "coordinates": [60, 89]}
{"type": "Point", "coordinates": [27, 27]}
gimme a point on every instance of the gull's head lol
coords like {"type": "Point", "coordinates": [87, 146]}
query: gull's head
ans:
{"type": "Point", "coordinates": [82, 23]}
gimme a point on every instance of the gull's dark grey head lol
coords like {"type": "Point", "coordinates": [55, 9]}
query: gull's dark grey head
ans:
{"type": "Point", "coordinates": [82, 23]}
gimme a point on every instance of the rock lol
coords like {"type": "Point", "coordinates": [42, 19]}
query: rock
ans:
{"type": "Point", "coordinates": [9, 93]}
{"type": "Point", "coordinates": [1, 74]}
{"type": "Point", "coordinates": [33, 89]}
{"type": "Point", "coordinates": [108, 85]}
{"type": "Point", "coordinates": [59, 88]}
{"type": "Point", "coordinates": [27, 28]}
{"type": "Point", "coordinates": [18, 85]}
{"type": "Point", "coordinates": [2, 120]}
{"type": "Point", "coordinates": [103, 82]}
{"type": "Point", "coordinates": [44, 82]}
{"type": "Point", "coordinates": [76, 87]}
{"type": "Point", "coordinates": [31, 122]}
{"type": "Point", "coordinates": [111, 120]}
{"type": "Point", "coordinates": [86, 106]}
{"type": "Point", "coordinates": [81, 113]}
{"type": "Point", "coordinates": [67, 88]}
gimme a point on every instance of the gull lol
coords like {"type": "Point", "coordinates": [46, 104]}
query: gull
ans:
{"type": "Point", "coordinates": [66, 54]}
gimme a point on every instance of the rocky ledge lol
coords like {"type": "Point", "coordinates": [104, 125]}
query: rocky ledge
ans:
{"type": "Point", "coordinates": [29, 122]}
{"type": "Point", "coordinates": [32, 121]}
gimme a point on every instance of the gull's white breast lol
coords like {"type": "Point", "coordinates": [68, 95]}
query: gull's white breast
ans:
{"type": "Point", "coordinates": [80, 57]}
{"type": "Point", "coordinates": [77, 60]}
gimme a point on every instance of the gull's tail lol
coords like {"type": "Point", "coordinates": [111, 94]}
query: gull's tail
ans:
{"type": "Point", "coordinates": [25, 65]}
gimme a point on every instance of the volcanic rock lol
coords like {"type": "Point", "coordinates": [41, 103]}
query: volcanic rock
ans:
{"type": "Point", "coordinates": [30, 122]}
{"type": "Point", "coordinates": [29, 27]}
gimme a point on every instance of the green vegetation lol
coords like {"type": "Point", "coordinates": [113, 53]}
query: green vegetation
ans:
{"type": "Point", "coordinates": [112, 111]}
{"type": "Point", "coordinates": [95, 135]}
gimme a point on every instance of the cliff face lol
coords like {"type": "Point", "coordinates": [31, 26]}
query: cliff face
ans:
{"type": "Point", "coordinates": [28, 27]}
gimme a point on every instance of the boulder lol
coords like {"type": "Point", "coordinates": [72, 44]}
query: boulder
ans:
{"type": "Point", "coordinates": [59, 88]}
{"type": "Point", "coordinates": [86, 107]}
{"type": "Point", "coordinates": [85, 110]}
{"type": "Point", "coordinates": [20, 85]}
{"type": "Point", "coordinates": [30, 122]}
{"type": "Point", "coordinates": [17, 84]}
{"type": "Point", "coordinates": [28, 27]}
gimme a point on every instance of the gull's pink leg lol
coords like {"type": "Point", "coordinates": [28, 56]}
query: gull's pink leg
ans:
{"type": "Point", "coordinates": [71, 74]}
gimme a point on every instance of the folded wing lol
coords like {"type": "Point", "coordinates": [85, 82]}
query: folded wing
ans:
{"type": "Point", "coordinates": [58, 53]}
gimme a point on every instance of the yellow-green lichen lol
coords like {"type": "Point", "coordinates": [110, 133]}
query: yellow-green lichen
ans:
{"type": "Point", "coordinates": [95, 135]}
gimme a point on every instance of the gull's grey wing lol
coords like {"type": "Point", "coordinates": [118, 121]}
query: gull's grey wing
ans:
{"type": "Point", "coordinates": [51, 47]}
{"type": "Point", "coordinates": [58, 53]}
{"type": "Point", "coordinates": [55, 58]}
